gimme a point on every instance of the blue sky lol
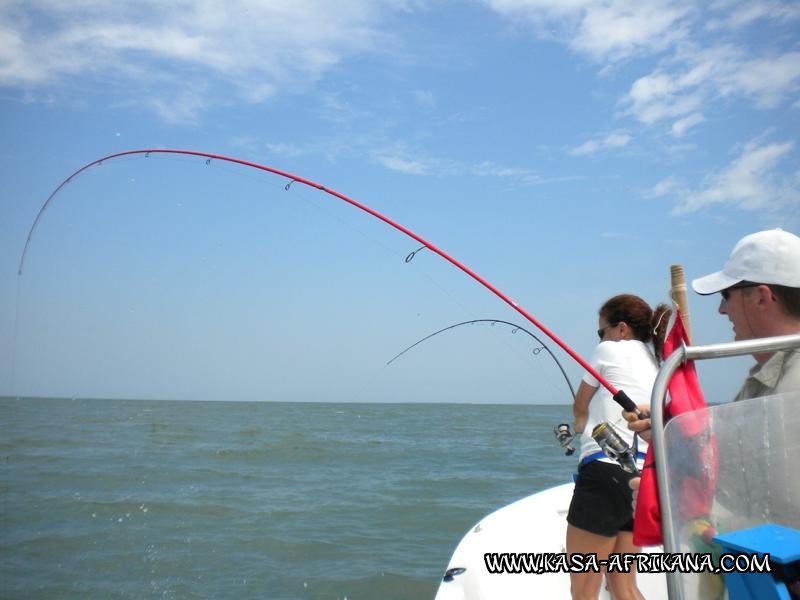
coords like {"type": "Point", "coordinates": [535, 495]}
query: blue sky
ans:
{"type": "Point", "coordinates": [565, 150]}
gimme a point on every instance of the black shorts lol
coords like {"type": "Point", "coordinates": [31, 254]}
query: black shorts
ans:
{"type": "Point", "coordinates": [601, 503]}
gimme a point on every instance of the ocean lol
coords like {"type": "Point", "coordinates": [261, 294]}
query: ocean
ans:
{"type": "Point", "coordinates": [105, 499]}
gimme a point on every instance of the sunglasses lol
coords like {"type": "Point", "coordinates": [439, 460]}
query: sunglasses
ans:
{"type": "Point", "coordinates": [602, 331]}
{"type": "Point", "coordinates": [726, 293]}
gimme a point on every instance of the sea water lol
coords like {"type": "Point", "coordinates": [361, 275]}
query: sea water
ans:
{"type": "Point", "coordinates": [107, 499]}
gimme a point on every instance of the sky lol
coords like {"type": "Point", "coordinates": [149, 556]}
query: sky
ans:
{"type": "Point", "coordinates": [565, 150]}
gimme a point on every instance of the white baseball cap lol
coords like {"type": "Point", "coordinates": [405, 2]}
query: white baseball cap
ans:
{"type": "Point", "coordinates": [771, 256]}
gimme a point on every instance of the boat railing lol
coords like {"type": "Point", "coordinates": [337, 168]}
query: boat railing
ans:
{"type": "Point", "coordinates": [659, 437]}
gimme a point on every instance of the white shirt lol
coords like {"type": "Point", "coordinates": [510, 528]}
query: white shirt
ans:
{"type": "Point", "coordinates": [628, 365]}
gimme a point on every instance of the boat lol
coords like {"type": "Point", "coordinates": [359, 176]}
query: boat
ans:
{"type": "Point", "coordinates": [755, 509]}
{"type": "Point", "coordinates": [537, 525]}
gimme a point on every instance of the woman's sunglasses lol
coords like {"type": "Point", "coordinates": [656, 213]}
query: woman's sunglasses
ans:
{"type": "Point", "coordinates": [602, 331]}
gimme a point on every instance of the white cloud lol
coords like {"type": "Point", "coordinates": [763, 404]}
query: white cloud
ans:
{"type": "Point", "coordinates": [622, 28]}
{"type": "Point", "coordinates": [612, 140]}
{"type": "Point", "coordinates": [425, 98]}
{"type": "Point", "coordinates": [515, 174]}
{"type": "Point", "coordinates": [249, 48]}
{"type": "Point", "coordinates": [768, 79]}
{"type": "Point", "coordinates": [660, 95]}
{"type": "Point", "coordinates": [662, 188]}
{"type": "Point", "coordinates": [733, 14]}
{"type": "Point", "coordinates": [403, 165]}
{"type": "Point", "coordinates": [681, 126]}
{"type": "Point", "coordinates": [400, 160]}
{"type": "Point", "coordinates": [700, 76]}
{"type": "Point", "coordinates": [286, 150]}
{"type": "Point", "coordinates": [541, 11]}
{"type": "Point", "coordinates": [750, 182]}
{"type": "Point", "coordinates": [489, 169]}
{"type": "Point", "coordinates": [606, 30]}
{"type": "Point", "coordinates": [699, 65]}
{"type": "Point", "coordinates": [183, 107]}
{"type": "Point", "coordinates": [16, 66]}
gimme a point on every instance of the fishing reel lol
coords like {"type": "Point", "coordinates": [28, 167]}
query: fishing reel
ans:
{"type": "Point", "coordinates": [613, 446]}
{"type": "Point", "coordinates": [565, 437]}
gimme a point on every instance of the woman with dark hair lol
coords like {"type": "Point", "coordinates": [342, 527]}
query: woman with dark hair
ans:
{"type": "Point", "coordinates": [600, 518]}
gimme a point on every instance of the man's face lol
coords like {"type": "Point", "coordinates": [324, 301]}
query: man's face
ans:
{"type": "Point", "coordinates": [736, 304]}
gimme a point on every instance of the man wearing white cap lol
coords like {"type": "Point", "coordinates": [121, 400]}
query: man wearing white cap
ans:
{"type": "Point", "coordinates": [760, 288]}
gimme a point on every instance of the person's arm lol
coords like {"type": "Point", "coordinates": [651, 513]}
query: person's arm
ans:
{"type": "Point", "coordinates": [580, 407]}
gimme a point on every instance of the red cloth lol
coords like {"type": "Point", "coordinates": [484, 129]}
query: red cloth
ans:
{"type": "Point", "coordinates": [696, 490]}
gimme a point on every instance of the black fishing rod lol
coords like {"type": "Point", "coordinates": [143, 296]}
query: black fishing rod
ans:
{"type": "Point", "coordinates": [514, 329]}
{"type": "Point", "coordinates": [562, 430]}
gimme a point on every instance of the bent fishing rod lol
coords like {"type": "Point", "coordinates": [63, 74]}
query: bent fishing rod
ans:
{"type": "Point", "coordinates": [619, 395]}
{"type": "Point", "coordinates": [515, 327]}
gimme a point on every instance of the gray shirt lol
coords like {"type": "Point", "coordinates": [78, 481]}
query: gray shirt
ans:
{"type": "Point", "coordinates": [780, 373]}
{"type": "Point", "coordinates": [779, 495]}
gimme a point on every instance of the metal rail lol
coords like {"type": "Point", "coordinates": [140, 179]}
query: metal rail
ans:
{"type": "Point", "coordinates": [671, 364]}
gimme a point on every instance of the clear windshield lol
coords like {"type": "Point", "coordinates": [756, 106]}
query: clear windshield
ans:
{"type": "Point", "coordinates": [729, 468]}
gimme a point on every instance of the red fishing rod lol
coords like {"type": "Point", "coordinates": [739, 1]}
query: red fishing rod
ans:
{"type": "Point", "coordinates": [619, 395]}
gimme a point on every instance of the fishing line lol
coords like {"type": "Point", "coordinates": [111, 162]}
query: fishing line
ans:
{"type": "Point", "coordinates": [14, 337]}
{"type": "Point", "coordinates": [388, 250]}
{"type": "Point", "coordinates": [335, 216]}
{"type": "Point", "coordinates": [515, 327]}
{"type": "Point", "coordinates": [619, 395]}
{"type": "Point", "coordinates": [562, 431]}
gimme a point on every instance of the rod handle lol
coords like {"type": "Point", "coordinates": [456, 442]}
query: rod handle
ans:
{"type": "Point", "coordinates": [627, 404]}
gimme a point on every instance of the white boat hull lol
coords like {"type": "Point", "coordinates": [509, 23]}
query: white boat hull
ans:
{"type": "Point", "coordinates": [536, 524]}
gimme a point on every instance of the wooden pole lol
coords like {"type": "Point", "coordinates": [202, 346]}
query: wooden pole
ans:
{"type": "Point", "coordinates": [678, 294]}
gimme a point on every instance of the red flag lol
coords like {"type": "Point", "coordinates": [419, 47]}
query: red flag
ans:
{"type": "Point", "coordinates": [695, 493]}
